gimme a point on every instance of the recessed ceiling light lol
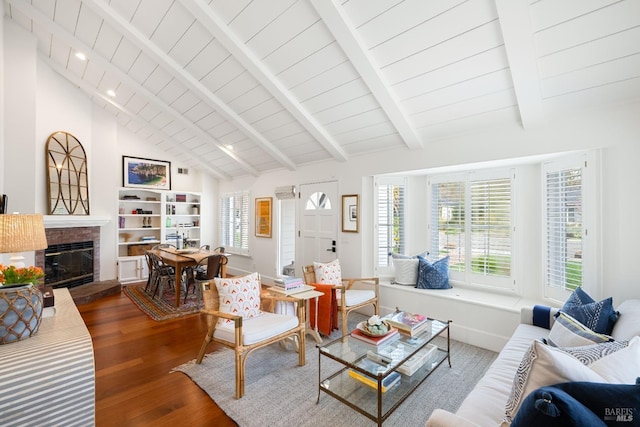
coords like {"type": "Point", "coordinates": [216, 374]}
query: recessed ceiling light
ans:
{"type": "Point", "coordinates": [110, 92]}
{"type": "Point", "coordinates": [81, 56]}
{"type": "Point", "coordinates": [229, 147]}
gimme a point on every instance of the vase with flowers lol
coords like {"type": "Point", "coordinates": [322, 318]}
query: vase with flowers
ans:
{"type": "Point", "coordinates": [20, 302]}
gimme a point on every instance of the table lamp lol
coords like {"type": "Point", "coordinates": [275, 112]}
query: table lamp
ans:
{"type": "Point", "coordinates": [21, 233]}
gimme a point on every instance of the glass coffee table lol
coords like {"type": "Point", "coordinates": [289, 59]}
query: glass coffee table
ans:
{"type": "Point", "coordinates": [376, 380]}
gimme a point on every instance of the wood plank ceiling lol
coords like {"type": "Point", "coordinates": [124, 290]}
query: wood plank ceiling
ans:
{"type": "Point", "coordinates": [237, 87]}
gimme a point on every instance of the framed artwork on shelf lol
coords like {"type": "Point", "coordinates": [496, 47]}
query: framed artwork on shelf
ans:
{"type": "Point", "coordinates": [146, 173]}
{"type": "Point", "coordinates": [350, 213]}
{"type": "Point", "coordinates": [263, 217]}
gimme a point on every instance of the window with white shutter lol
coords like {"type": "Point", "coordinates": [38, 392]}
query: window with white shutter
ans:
{"type": "Point", "coordinates": [569, 249]}
{"type": "Point", "coordinates": [491, 227]}
{"type": "Point", "coordinates": [234, 222]}
{"type": "Point", "coordinates": [448, 222]}
{"type": "Point", "coordinates": [389, 219]}
{"type": "Point", "coordinates": [471, 221]}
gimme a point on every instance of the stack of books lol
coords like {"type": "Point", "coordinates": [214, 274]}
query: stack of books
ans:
{"type": "Point", "coordinates": [407, 323]}
{"type": "Point", "coordinates": [409, 367]}
{"type": "Point", "coordinates": [289, 283]}
{"type": "Point", "coordinates": [374, 368]}
{"type": "Point", "coordinates": [376, 342]}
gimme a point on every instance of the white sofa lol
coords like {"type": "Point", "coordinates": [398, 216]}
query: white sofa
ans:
{"type": "Point", "coordinates": [485, 405]}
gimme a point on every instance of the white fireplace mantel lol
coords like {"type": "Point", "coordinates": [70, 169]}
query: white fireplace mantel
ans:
{"type": "Point", "coordinates": [69, 221]}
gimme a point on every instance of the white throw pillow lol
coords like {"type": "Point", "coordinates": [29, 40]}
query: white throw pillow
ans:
{"type": "Point", "coordinates": [628, 324]}
{"type": "Point", "coordinates": [568, 332]}
{"type": "Point", "coordinates": [239, 296]}
{"type": "Point", "coordinates": [543, 365]}
{"type": "Point", "coordinates": [622, 366]}
{"type": "Point", "coordinates": [328, 273]}
{"type": "Point", "coordinates": [406, 271]}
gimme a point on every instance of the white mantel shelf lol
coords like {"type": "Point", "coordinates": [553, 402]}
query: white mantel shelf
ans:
{"type": "Point", "coordinates": [69, 221]}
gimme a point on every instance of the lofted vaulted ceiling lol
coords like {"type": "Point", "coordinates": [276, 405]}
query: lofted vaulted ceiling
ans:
{"type": "Point", "coordinates": [237, 87]}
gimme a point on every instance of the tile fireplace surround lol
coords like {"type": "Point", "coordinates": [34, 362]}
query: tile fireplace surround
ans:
{"type": "Point", "coordinates": [73, 229]}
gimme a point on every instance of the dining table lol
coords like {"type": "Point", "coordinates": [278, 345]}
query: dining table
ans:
{"type": "Point", "coordinates": [182, 258]}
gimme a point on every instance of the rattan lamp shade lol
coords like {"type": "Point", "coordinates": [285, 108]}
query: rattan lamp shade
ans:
{"type": "Point", "coordinates": [21, 233]}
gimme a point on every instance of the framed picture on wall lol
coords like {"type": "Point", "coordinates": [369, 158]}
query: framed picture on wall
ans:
{"type": "Point", "coordinates": [350, 213]}
{"type": "Point", "coordinates": [146, 173]}
{"type": "Point", "coordinates": [263, 217]}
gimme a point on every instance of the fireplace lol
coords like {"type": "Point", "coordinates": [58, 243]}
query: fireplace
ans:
{"type": "Point", "coordinates": [68, 264]}
{"type": "Point", "coordinates": [72, 258]}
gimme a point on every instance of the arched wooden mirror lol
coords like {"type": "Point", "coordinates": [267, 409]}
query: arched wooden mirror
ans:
{"type": "Point", "coordinates": [68, 182]}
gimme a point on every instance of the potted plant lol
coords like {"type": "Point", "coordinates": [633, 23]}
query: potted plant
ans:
{"type": "Point", "coordinates": [20, 302]}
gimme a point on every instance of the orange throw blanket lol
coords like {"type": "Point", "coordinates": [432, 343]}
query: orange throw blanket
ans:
{"type": "Point", "coordinates": [327, 309]}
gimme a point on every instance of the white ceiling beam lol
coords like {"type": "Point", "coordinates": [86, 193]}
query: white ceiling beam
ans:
{"type": "Point", "coordinates": [137, 38]}
{"type": "Point", "coordinates": [62, 34]}
{"type": "Point", "coordinates": [94, 92]}
{"type": "Point", "coordinates": [517, 31]}
{"type": "Point", "coordinates": [216, 26]}
{"type": "Point", "coordinates": [347, 37]}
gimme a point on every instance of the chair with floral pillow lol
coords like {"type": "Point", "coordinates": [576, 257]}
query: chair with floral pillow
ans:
{"type": "Point", "coordinates": [348, 297]}
{"type": "Point", "coordinates": [236, 320]}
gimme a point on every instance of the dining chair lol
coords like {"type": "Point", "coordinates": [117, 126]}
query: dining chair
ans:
{"type": "Point", "coordinates": [150, 276]}
{"type": "Point", "coordinates": [206, 269]}
{"type": "Point", "coordinates": [348, 298]}
{"type": "Point", "coordinates": [163, 275]}
{"type": "Point", "coordinates": [248, 331]}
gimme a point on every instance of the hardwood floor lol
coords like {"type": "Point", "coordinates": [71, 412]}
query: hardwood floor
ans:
{"type": "Point", "coordinates": [134, 356]}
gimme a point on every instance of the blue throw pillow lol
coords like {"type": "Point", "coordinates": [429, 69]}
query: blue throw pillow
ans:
{"type": "Point", "coordinates": [433, 276]}
{"type": "Point", "coordinates": [581, 403]}
{"type": "Point", "coordinates": [599, 316]}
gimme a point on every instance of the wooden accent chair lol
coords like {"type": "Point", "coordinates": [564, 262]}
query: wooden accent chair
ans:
{"type": "Point", "coordinates": [246, 335]}
{"type": "Point", "coordinates": [349, 299]}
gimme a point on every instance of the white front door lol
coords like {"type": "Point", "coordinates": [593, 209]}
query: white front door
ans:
{"type": "Point", "coordinates": [319, 213]}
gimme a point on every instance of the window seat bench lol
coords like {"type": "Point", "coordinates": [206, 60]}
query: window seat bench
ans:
{"type": "Point", "coordinates": [481, 318]}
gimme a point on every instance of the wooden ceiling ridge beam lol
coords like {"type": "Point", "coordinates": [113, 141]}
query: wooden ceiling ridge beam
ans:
{"type": "Point", "coordinates": [517, 32]}
{"type": "Point", "coordinates": [94, 92]}
{"type": "Point", "coordinates": [61, 33]}
{"type": "Point", "coordinates": [216, 26]}
{"type": "Point", "coordinates": [347, 37]}
{"type": "Point", "coordinates": [107, 13]}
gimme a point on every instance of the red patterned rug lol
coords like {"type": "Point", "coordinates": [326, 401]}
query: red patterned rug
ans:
{"type": "Point", "coordinates": [162, 309]}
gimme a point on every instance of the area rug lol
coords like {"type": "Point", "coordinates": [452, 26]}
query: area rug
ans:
{"type": "Point", "coordinates": [162, 308]}
{"type": "Point", "coordinates": [278, 392]}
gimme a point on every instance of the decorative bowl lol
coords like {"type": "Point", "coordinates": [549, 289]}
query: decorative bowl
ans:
{"type": "Point", "coordinates": [373, 331]}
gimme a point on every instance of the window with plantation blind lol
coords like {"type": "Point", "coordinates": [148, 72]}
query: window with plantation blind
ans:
{"type": "Point", "coordinates": [471, 221]}
{"type": "Point", "coordinates": [234, 222]}
{"type": "Point", "coordinates": [389, 219]}
{"type": "Point", "coordinates": [569, 250]}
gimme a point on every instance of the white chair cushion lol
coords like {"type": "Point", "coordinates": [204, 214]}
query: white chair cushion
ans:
{"type": "Point", "coordinates": [356, 296]}
{"type": "Point", "coordinates": [257, 329]}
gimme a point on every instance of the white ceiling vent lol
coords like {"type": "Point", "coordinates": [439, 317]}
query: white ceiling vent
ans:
{"type": "Point", "coordinates": [286, 192]}
{"type": "Point", "coordinates": [183, 171]}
